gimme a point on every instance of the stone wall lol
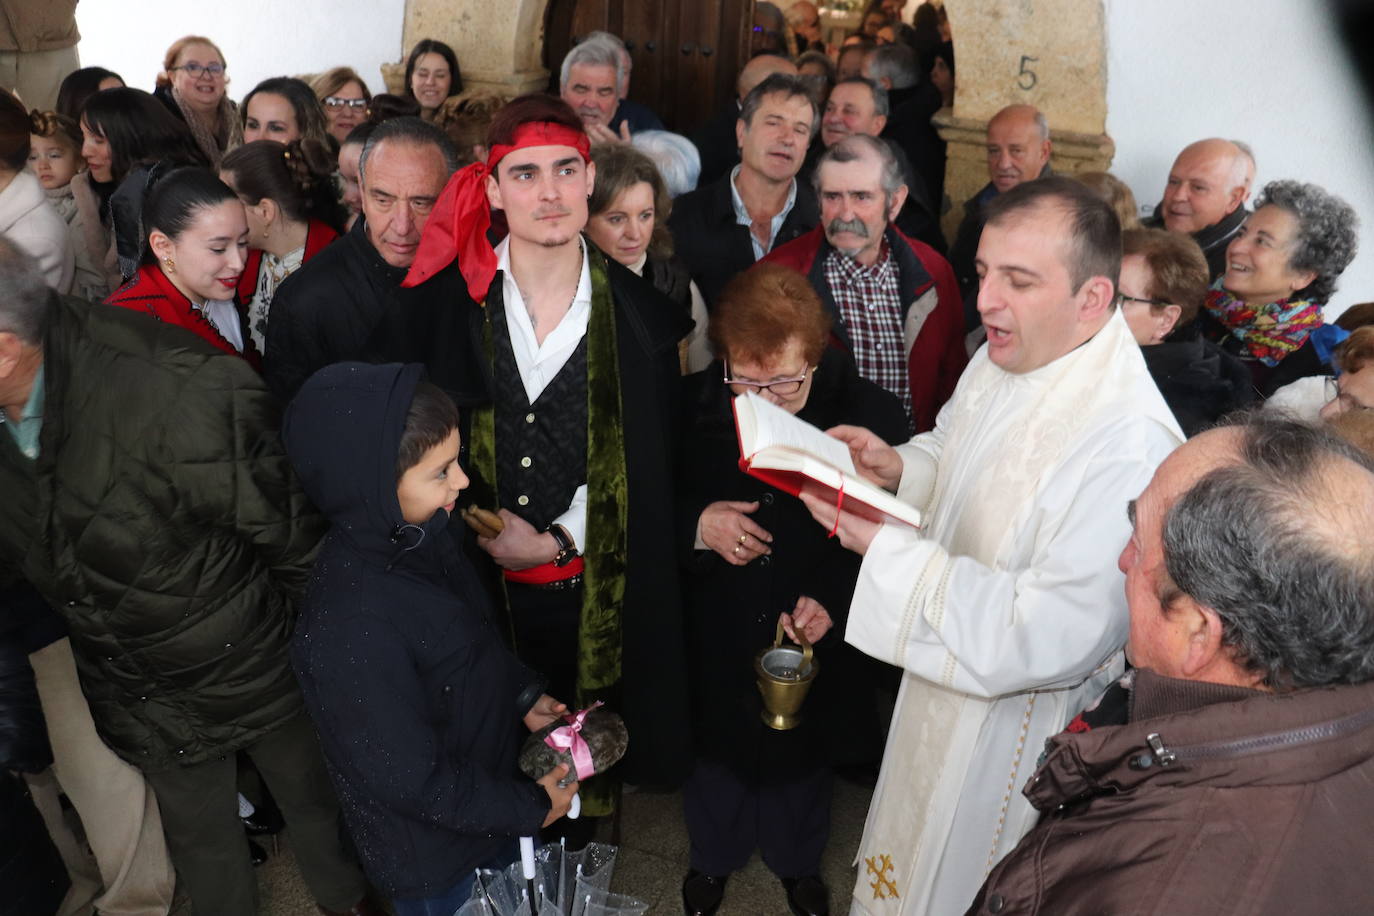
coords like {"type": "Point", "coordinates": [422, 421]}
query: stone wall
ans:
{"type": "Point", "coordinates": [498, 42]}
{"type": "Point", "coordinates": [1047, 53]}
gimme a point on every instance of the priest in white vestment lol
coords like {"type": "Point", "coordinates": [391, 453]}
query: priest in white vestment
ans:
{"type": "Point", "coordinates": [1007, 610]}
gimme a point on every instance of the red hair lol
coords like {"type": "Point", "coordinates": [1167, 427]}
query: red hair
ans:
{"type": "Point", "coordinates": [760, 310]}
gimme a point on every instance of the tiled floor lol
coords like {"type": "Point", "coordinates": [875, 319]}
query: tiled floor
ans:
{"type": "Point", "coordinates": [652, 861]}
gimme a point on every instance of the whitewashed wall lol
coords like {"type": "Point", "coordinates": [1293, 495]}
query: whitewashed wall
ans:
{"type": "Point", "coordinates": [1270, 72]}
{"type": "Point", "coordinates": [260, 38]}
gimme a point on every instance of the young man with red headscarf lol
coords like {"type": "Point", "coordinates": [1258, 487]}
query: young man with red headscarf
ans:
{"type": "Point", "coordinates": [565, 365]}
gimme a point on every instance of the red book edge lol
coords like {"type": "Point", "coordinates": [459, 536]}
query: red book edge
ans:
{"type": "Point", "coordinates": [795, 483]}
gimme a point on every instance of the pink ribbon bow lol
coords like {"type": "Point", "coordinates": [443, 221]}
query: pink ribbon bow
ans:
{"type": "Point", "coordinates": [569, 738]}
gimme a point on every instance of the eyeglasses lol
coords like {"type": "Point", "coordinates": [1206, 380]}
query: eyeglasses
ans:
{"type": "Point", "coordinates": [1158, 303]}
{"type": "Point", "coordinates": [783, 387]}
{"type": "Point", "coordinates": [214, 71]}
{"type": "Point", "coordinates": [1348, 401]}
{"type": "Point", "coordinates": [333, 101]}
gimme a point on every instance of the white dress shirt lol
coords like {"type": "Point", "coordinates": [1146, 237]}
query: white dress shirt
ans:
{"type": "Point", "coordinates": [539, 362]}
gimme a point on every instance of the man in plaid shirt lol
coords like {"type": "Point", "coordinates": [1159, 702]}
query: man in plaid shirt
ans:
{"type": "Point", "coordinates": [894, 300]}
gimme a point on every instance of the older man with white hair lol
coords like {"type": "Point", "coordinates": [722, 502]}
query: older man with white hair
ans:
{"type": "Point", "coordinates": [629, 117]}
{"type": "Point", "coordinates": [1205, 196]}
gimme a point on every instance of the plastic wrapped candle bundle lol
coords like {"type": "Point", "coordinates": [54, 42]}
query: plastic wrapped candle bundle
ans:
{"type": "Point", "coordinates": [589, 742]}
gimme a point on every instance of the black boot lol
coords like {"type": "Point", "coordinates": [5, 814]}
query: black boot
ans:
{"type": "Point", "coordinates": [807, 896]}
{"type": "Point", "coordinates": [702, 893]}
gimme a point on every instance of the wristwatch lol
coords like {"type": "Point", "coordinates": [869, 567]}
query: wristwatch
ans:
{"type": "Point", "coordinates": [567, 550]}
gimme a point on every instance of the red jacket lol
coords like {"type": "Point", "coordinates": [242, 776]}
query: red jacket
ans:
{"type": "Point", "coordinates": [317, 236]}
{"type": "Point", "coordinates": [151, 292]}
{"type": "Point", "coordinates": [933, 314]}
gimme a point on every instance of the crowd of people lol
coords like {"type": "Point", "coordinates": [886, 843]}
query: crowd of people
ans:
{"type": "Point", "coordinates": [351, 438]}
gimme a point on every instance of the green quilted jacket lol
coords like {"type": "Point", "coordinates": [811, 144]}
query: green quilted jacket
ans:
{"type": "Point", "coordinates": [162, 521]}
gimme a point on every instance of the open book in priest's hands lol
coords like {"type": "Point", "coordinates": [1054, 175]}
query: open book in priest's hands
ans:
{"type": "Point", "coordinates": [792, 455]}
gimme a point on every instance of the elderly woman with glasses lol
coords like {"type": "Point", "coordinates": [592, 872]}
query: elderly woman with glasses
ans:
{"type": "Point", "coordinates": [1281, 270]}
{"type": "Point", "coordinates": [193, 86]}
{"type": "Point", "coordinates": [344, 96]}
{"type": "Point", "coordinates": [752, 558]}
{"type": "Point", "coordinates": [1163, 283]}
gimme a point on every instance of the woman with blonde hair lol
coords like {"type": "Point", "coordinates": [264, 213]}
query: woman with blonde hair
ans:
{"type": "Point", "coordinates": [193, 86]}
{"type": "Point", "coordinates": [628, 220]}
{"type": "Point", "coordinates": [345, 98]}
{"type": "Point", "coordinates": [1116, 193]}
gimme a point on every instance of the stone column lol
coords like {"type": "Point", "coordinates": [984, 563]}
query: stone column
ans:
{"type": "Point", "coordinates": [1046, 53]}
{"type": "Point", "coordinates": [498, 42]}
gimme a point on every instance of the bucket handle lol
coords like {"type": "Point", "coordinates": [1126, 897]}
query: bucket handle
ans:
{"type": "Point", "coordinates": [801, 641]}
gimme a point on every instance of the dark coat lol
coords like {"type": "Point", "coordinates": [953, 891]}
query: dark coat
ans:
{"type": "Point", "coordinates": [1264, 809]}
{"type": "Point", "coordinates": [162, 520]}
{"type": "Point", "coordinates": [1213, 239]}
{"type": "Point", "coordinates": [151, 293]}
{"type": "Point", "coordinates": [732, 611]}
{"type": "Point", "coordinates": [1200, 383]}
{"type": "Point", "coordinates": [714, 246]}
{"type": "Point", "coordinates": [964, 251]}
{"type": "Point", "coordinates": [908, 126]}
{"type": "Point", "coordinates": [326, 311]}
{"type": "Point", "coordinates": [640, 117]}
{"type": "Point", "coordinates": [31, 872]}
{"type": "Point", "coordinates": [438, 324]}
{"type": "Point", "coordinates": [416, 701]}
{"type": "Point", "coordinates": [715, 141]}
{"type": "Point", "coordinates": [936, 357]}
{"type": "Point", "coordinates": [1303, 362]}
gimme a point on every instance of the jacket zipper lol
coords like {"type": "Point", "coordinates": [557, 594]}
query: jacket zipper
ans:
{"type": "Point", "coordinates": [1220, 750]}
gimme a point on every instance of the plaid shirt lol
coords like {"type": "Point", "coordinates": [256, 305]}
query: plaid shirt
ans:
{"type": "Point", "coordinates": [870, 304]}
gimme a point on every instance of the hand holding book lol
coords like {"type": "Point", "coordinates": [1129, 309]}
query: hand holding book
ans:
{"type": "Point", "coordinates": [874, 458]}
{"type": "Point", "coordinates": [792, 455]}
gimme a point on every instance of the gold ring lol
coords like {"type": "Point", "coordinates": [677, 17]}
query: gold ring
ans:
{"type": "Point", "coordinates": [736, 550]}
{"type": "Point", "coordinates": [743, 538]}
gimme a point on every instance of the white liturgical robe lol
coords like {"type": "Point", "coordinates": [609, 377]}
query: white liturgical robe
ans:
{"type": "Point", "coordinates": [1007, 612]}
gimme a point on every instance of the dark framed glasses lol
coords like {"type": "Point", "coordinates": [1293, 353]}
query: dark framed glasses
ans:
{"type": "Point", "coordinates": [783, 387]}
{"type": "Point", "coordinates": [196, 71]}
{"type": "Point", "coordinates": [1156, 303]}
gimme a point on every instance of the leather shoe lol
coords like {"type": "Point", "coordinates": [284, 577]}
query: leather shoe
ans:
{"type": "Point", "coordinates": [256, 854]}
{"type": "Point", "coordinates": [807, 896]}
{"type": "Point", "coordinates": [364, 907]}
{"type": "Point", "coordinates": [702, 893]}
{"type": "Point", "coordinates": [265, 820]}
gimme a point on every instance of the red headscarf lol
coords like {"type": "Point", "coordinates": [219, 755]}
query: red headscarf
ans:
{"type": "Point", "coordinates": [457, 227]}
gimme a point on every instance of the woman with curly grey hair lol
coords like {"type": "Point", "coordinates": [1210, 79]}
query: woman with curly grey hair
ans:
{"type": "Point", "coordinates": [1281, 269]}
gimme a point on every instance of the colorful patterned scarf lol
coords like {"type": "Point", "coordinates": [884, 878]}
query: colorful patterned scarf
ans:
{"type": "Point", "coordinates": [1268, 332]}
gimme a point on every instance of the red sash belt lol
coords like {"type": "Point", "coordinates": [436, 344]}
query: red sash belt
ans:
{"type": "Point", "coordinates": [545, 573]}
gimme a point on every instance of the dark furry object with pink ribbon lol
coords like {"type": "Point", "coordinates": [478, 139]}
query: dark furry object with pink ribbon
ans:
{"type": "Point", "coordinates": [589, 742]}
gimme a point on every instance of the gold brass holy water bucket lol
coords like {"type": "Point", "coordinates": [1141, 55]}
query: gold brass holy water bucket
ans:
{"type": "Point", "coordinates": [784, 676]}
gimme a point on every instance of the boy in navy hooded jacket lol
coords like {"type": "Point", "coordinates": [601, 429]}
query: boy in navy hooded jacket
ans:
{"type": "Point", "coordinates": [417, 701]}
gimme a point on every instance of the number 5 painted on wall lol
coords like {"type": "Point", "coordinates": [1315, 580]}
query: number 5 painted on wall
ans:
{"type": "Point", "coordinates": [1026, 78]}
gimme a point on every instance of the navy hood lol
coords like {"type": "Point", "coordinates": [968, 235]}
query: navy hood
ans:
{"type": "Point", "coordinates": [342, 432]}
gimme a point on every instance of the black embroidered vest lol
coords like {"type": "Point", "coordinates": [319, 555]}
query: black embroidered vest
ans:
{"type": "Point", "coordinates": [541, 448]}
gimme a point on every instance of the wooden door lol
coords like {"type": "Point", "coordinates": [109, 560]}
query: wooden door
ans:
{"type": "Point", "coordinates": [686, 53]}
